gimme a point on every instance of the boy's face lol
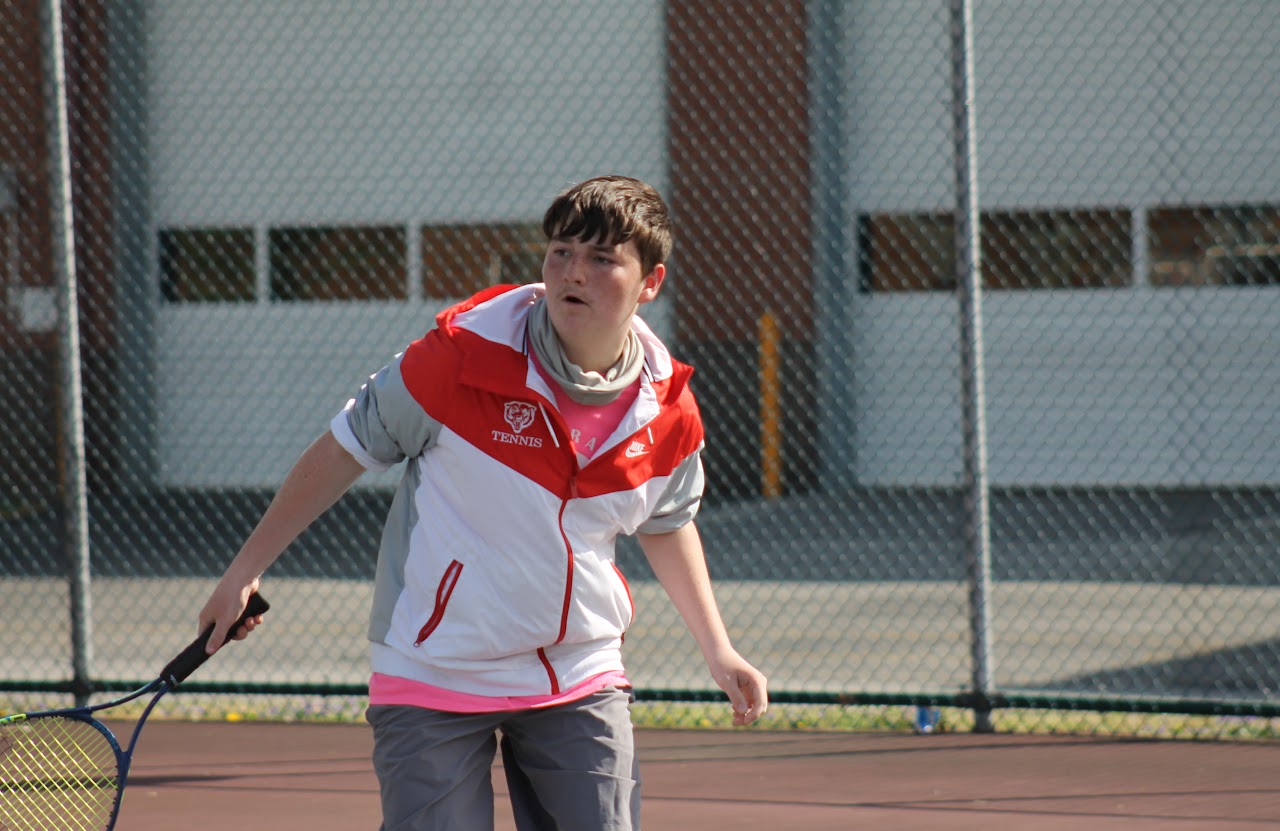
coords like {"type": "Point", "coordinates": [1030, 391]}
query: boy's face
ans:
{"type": "Point", "coordinates": [593, 290]}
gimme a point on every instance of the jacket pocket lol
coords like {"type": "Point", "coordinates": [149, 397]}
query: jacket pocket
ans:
{"type": "Point", "coordinates": [443, 592]}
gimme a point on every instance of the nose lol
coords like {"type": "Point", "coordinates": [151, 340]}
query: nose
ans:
{"type": "Point", "coordinates": [576, 269]}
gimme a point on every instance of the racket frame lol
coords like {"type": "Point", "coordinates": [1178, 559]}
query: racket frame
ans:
{"type": "Point", "coordinates": [85, 715]}
{"type": "Point", "coordinates": [174, 673]}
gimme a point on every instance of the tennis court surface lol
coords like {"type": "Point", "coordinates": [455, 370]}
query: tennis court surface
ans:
{"type": "Point", "coordinates": [318, 777]}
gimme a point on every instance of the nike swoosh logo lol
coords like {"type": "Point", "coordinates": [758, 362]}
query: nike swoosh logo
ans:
{"type": "Point", "coordinates": [636, 449]}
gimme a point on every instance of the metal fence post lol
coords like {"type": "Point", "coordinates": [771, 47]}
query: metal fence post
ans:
{"type": "Point", "coordinates": [834, 252]}
{"type": "Point", "coordinates": [72, 444]}
{"type": "Point", "coordinates": [977, 537]}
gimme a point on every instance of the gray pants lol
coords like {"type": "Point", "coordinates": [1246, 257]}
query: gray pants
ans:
{"type": "Point", "coordinates": [571, 767]}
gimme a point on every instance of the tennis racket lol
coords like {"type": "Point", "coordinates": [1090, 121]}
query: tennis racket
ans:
{"type": "Point", "coordinates": [63, 770]}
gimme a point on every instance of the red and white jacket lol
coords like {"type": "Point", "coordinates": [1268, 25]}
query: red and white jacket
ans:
{"type": "Point", "coordinates": [496, 573]}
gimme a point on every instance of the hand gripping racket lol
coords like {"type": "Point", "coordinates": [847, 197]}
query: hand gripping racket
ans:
{"type": "Point", "coordinates": [63, 770]}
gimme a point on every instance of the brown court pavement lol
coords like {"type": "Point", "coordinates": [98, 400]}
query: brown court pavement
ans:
{"type": "Point", "coordinates": [318, 777]}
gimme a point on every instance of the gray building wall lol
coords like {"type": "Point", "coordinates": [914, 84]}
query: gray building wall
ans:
{"type": "Point", "coordinates": [277, 114]}
{"type": "Point", "coordinates": [1088, 103]}
{"type": "Point", "coordinates": [300, 114]}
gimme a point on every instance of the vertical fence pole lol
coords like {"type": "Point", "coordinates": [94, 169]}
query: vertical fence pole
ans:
{"type": "Point", "coordinates": [770, 368]}
{"type": "Point", "coordinates": [977, 537]}
{"type": "Point", "coordinates": [834, 241]}
{"type": "Point", "coordinates": [75, 506]}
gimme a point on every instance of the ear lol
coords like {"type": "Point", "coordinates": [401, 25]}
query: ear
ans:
{"type": "Point", "coordinates": [652, 283]}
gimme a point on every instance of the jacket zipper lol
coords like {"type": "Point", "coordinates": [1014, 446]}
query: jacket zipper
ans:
{"type": "Point", "coordinates": [568, 550]}
{"type": "Point", "coordinates": [443, 592]}
{"type": "Point", "coordinates": [568, 585]}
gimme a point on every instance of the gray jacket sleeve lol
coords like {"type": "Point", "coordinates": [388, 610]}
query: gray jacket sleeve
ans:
{"type": "Point", "coordinates": [383, 424]}
{"type": "Point", "coordinates": [680, 501]}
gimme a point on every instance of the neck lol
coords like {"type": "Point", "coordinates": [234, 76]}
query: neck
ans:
{"type": "Point", "coordinates": [594, 360]}
{"type": "Point", "coordinates": [594, 376]}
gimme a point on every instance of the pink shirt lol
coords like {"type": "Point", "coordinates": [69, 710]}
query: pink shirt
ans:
{"type": "Point", "coordinates": [589, 427]}
{"type": "Point", "coordinates": [393, 690]}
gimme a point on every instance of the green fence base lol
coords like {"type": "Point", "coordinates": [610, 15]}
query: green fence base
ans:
{"type": "Point", "coordinates": [963, 700]}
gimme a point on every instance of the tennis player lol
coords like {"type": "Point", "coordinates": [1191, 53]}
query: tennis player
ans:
{"type": "Point", "coordinates": [539, 423]}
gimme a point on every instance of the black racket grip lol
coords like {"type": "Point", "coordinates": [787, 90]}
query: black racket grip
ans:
{"type": "Point", "coordinates": [191, 658]}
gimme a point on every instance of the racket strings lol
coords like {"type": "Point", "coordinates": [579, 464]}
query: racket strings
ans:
{"type": "Point", "coordinates": [56, 774]}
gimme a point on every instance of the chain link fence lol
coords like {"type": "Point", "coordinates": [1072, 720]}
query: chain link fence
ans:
{"type": "Point", "coordinates": [1040, 472]}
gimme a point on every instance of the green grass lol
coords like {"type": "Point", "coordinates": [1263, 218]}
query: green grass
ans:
{"type": "Point", "coordinates": [677, 715]}
{"type": "Point", "coordinates": [952, 720]}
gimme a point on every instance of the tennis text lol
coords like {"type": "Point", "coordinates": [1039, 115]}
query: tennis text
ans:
{"type": "Point", "coordinates": [512, 438]}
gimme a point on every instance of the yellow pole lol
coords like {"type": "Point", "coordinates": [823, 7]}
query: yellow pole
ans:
{"type": "Point", "coordinates": [770, 408]}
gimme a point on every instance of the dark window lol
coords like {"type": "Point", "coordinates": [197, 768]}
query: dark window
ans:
{"type": "Point", "coordinates": [459, 260]}
{"type": "Point", "coordinates": [907, 252]}
{"type": "Point", "coordinates": [1020, 250]}
{"type": "Point", "coordinates": [346, 263]}
{"type": "Point", "coordinates": [1236, 246]}
{"type": "Point", "coordinates": [210, 265]}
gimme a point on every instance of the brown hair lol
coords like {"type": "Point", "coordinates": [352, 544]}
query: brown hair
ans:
{"type": "Point", "coordinates": [614, 210]}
